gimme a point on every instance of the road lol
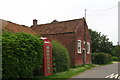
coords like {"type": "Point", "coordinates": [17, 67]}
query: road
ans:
{"type": "Point", "coordinates": [106, 71]}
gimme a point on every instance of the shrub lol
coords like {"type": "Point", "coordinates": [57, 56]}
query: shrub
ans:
{"type": "Point", "coordinates": [21, 55]}
{"type": "Point", "coordinates": [115, 58]}
{"type": "Point", "coordinates": [61, 60]}
{"type": "Point", "coordinates": [101, 58]}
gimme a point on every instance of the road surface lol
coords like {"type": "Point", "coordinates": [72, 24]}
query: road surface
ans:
{"type": "Point", "coordinates": [107, 71]}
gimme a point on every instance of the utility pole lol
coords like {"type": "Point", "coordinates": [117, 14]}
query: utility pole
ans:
{"type": "Point", "coordinates": [119, 21]}
{"type": "Point", "coordinates": [85, 13]}
{"type": "Point", "coordinates": [85, 44]}
{"type": "Point", "coordinates": [118, 43]}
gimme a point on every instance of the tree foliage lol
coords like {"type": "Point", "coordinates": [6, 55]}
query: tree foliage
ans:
{"type": "Point", "coordinates": [100, 43]}
{"type": "Point", "coordinates": [116, 51]}
{"type": "Point", "coordinates": [21, 55]}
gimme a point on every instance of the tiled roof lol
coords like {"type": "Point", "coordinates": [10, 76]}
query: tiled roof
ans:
{"type": "Point", "coordinates": [58, 27]}
{"type": "Point", "coordinates": [10, 26]}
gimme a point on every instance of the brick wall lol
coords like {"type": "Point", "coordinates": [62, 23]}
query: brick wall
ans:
{"type": "Point", "coordinates": [80, 36]}
{"type": "Point", "coordinates": [68, 40]}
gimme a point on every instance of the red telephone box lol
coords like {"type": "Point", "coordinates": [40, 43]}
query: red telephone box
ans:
{"type": "Point", "coordinates": [48, 70]}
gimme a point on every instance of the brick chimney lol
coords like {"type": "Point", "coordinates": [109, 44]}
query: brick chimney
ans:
{"type": "Point", "coordinates": [34, 22]}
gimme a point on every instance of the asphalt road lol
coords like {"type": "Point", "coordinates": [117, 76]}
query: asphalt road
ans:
{"type": "Point", "coordinates": [107, 71]}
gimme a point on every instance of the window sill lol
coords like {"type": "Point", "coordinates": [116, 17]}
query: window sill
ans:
{"type": "Point", "coordinates": [79, 53]}
{"type": "Point", "coordinates": [88, 53]}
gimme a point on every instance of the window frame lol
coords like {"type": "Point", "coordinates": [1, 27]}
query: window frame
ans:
{"type": "Point", "coordinates": [78, 46]}
{"type": "Point", "coordinates": [88, 48]}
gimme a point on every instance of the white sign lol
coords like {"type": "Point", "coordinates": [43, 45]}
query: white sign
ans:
{"type": "Point", "coordinates": [46, 42]}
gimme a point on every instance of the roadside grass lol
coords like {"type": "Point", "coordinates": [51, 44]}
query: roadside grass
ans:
{"type": "Point", "coordinates": [70, 73]}
{"type": "Point", "coordinates": [107, 63]}
{"type": "Point", "coordinates": [115, 61]}
{"type": "Point", "coordinates": [67, 74]}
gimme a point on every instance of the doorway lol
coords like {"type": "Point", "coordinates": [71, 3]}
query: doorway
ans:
{"type": "Point", "coordinates": [84, 56]}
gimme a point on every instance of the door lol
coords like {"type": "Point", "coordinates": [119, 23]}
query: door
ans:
{"type": "Point", "coordinates": [84, 56]}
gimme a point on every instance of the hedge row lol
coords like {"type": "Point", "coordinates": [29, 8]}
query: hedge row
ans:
{"type": "Point", "coordinates": [115, 58]}
{"type": "Point", "coordinates": [21, 55]}
{"type": "Point", "coordinates": [61, 61]}
{"type": "Point", "coordinates": [101, 58]}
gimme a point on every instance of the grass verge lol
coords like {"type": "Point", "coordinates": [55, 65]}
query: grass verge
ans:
{"type": "Point", "coordinates": [67, 74]}
{"type": "Point", "coordinates": [106, 63]}
{"type": "Point", "coordinates": [115, 61]}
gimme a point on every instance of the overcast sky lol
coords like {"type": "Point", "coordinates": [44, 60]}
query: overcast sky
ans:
{"type": "Point", "coordinates": [102, 15]}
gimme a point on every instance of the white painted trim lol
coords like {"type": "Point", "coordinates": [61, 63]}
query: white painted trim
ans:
{"type": "Point", "coordinates": [46, 42]}
{"type": "Point", "coordinates": [43, 38]}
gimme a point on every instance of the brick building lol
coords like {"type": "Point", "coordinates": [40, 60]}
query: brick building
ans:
{"type": "Point", "coordinates": [73, 34]}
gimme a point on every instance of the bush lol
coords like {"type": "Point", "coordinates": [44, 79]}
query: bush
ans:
{"type": "Point", "coordinates": [21, 55]}
{"type": "Point", "coordinates": [61, 61]}
{"type": "Point", "coordinates": [115, 58]}
{"type": "Point", "coordinates": [101, 58]}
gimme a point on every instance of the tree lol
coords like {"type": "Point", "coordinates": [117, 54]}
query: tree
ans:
{"type": "Point", "coordinates": [105, 45]}
{"type": "Point", "coordinates": [116, 51]}
{"type": "Point", "coordinates": [100, 43]}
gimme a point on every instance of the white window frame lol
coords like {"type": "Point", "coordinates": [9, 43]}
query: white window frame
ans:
{"type": "Point", "coordinates": [79, 46]}
{"type": "Point", "coordinates": [88, 48]}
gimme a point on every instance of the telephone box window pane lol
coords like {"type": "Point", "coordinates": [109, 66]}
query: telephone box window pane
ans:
{"type": "Point", "coordinates": [48, 60]}
{"type": "Point", "coordinates": [47, 51]}
{"type": "Point", "coordinates": [48, 47]}
{"type": "Point", "coordinates": [48, 57]}
{"type": "Point", "coordinates": [48, 64]}
{"type": "Point", "coordinates": [48, 68]}
{"type": "Point", "coordinates": [48, 54]}
{"type": "Point", "coordinates": [48, 71]}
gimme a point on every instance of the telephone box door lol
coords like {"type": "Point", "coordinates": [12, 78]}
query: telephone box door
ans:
{"type": "Point", "coordinates": [47, 58]}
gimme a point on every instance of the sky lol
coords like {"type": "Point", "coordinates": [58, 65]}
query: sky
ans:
{"type": "Point", "coordinates": [101, 15]}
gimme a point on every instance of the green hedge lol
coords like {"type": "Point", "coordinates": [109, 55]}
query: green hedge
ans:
{"type": "Point", "coordinates": [101, 58]}
{"type": "Point", "coordinates": [21, 55]}
{"type": "Point", "coordinates": [115, 58]}
{"type": "Point", "coordinates": [61, 61]}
